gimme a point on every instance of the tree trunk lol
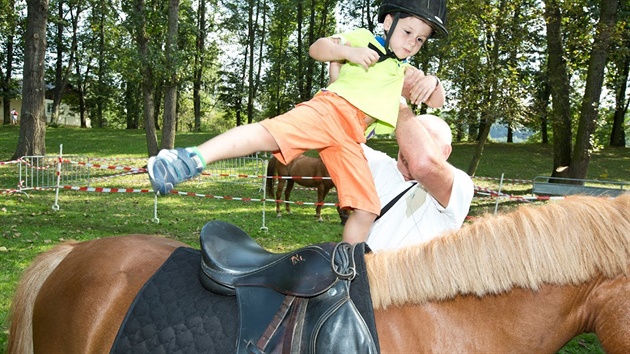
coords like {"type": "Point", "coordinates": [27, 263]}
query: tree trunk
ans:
{"type": "Point", "coordinates": [618, 134]}
{"type": "Point", "coordinates": [100, 120]}
{"type": "Point", "coordinates": [147, 81]}
{"type": "Point", "coordinates": [7, 93]}
{"type": "Point", "coordinates": [488, 115]}
{"type": "Point", "coordinates": [299, 49]}
{"type": "Point", "coordinates": [261, 48]}
{"type": "Point", "coordinates": [58, 91]}
{"type": "Point", "coordinates": [559, 88]}
{"type": "Point", "coordinates": [239, 100]}
{"type": "Point", "coordinates": [592, 92]}
{"type": "Point", "coordinates": [251, 40]}
{"type": "Point", "coordinates": [170, 91]}
{"type": "Point", "coordinates": [158, 95]}
{"type": "Point", "coordinates": [132, 104]}
{"type": "Point", "coordinates": [483, 137]}
{"type": "Point", "coordinates": [81, 92]}
{"type": "Point", "coordinates": [543, 105]}
{"type": "Point", "coordinates": [199, 62]}
{"type": "Point", "coordinates": [32, 139]}
{"type": "Point", "coordinates": [310, 63]}
{"type": "Point", "coordinates": [63, 77]}
{"type": "Point", "coordinates": [6, 83]}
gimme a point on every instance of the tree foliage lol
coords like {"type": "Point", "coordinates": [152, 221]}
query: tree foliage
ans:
{"type": "Point", "coordinates": [522, 64]}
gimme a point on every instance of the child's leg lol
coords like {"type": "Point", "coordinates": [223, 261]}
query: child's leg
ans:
{"type": "Point", "coordinates": [357, 227]}
{"type": "Point", "coordinates": [239, 141]}
{"type": "Point", "coordinates": [171, 167]}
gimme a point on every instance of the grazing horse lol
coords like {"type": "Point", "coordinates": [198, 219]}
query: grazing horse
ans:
{"type": "Point", "coordinates": [525, 282]}
{"type": "Point", "coordinates": [301, 166]}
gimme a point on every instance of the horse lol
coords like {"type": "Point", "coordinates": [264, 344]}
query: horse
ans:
{"type": "Point", "coordinates": [301, 166]}
{"type": "Point", "coordinates": [526, 281]}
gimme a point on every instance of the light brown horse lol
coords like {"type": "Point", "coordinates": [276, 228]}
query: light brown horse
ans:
{"type": "Point", "coordinates": [301, 166]}
{"type": "Point", "coordinates": [523, 282]}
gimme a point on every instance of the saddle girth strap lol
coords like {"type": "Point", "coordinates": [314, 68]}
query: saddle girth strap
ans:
{"type": "Point", "coordinates": [275, 323]}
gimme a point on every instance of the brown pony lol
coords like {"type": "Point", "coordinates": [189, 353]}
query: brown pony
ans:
{"type": "Point", "coordinates": [301, 166]}
{"type": "Point", "coordinates": [523, 282]}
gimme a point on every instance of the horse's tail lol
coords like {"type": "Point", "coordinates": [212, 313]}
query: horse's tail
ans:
{"type": "Point", "coordinates": [271, 171]}
{"type": "Point", "coordinates": [22, 306]}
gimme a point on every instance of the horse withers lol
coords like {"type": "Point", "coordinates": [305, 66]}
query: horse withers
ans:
{"type": "Point", "coordinates": [523, 282]}
{"type": "Point", "coordinates": [316, 174]}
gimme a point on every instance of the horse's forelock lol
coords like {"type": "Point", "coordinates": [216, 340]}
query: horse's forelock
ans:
{"type": "Point", "coordinates": [565, 242]}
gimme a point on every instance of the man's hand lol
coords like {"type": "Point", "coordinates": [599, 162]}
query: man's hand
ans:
{"type": "Point", "coordinates": [420, 88]}
{"type": "Point", "coordinates": [412, 75]}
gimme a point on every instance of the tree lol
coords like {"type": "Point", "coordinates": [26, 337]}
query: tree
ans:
{"type": "Point", "coordinates": [199, 60]}
{"type": "Point", "coordinates": [560, 90]}
{"type": "Point", "coordinates": [170, 95]}
{"type": "Point", "coordinates": [32, 139]}
{"type": "Point", "coordinates": [592, 92]}
{"type": "Point", "coordinates": [621, 70]}
{"type": "Point", "coordinates": [62, 74]}
{"type": "Point", "coordinates": [503, 28]}
{"type": "Point", "coordinates": [147, 77]}
{"type": "Point", "coordinates": [8, 28]}
{"type": "Point", "coordinates": [584, 38]}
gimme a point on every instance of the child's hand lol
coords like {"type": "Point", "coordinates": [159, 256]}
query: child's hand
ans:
{"type": "Point", "coordinates": [365, 57]}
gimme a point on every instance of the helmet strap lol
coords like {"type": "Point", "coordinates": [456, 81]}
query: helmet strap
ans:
{"type": "Point", "coordinates": [390, 32]}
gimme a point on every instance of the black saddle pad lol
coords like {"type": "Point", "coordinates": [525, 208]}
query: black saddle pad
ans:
{"type": "Point", "coordinates": [174, 313]}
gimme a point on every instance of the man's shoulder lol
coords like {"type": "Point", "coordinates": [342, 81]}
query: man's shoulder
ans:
{"type": "Point", "coordinates": [461, 175]}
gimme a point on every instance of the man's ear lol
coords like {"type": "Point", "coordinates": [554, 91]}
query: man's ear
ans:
{"type": "Point", "coordinates": [446, 151]}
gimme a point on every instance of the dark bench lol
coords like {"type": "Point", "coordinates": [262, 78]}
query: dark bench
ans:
{"type": "Point", "coordinates": [545, 185]}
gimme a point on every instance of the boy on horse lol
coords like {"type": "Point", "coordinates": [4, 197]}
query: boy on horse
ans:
{"type": "Point", "coordinates": [362, 101]}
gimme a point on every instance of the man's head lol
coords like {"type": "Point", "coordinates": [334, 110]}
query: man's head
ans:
{"type": "Point", "coordinates": [440, 133]}
{"type": "Point", "coordinates": [439, 130]}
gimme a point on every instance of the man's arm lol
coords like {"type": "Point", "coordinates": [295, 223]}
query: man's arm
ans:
{"type": "Point", "coordinates": [424, 159]}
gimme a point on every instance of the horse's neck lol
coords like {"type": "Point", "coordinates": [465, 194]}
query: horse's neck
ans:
{"type": "Point", "coordinates": [499, 323]}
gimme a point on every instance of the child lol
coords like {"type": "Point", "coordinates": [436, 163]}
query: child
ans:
{"type": "Point", "coordinates": [365, 94]}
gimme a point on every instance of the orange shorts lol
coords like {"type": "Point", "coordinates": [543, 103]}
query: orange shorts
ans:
{"type": "Point", "coordinates": [331, 125]}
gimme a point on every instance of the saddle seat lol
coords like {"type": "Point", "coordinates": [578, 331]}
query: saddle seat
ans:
{"type": "Point", "coordinates": [231, 258]}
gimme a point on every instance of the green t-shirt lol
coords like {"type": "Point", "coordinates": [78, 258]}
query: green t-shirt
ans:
{"type": "Point", "coordinates": [375, 91]}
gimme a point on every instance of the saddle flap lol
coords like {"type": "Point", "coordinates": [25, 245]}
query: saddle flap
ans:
{"type": "Point", "coordinates": [271, 322]}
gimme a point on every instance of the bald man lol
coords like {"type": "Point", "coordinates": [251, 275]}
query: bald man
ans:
{"type": "Point", "coordinates": [421, 194]}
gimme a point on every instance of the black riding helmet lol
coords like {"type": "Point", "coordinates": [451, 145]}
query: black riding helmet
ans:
{"type": "Point", "coordinates": [431, 11]}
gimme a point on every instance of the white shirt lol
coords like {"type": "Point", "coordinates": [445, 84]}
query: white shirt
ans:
{"type": "Point", "coordinates": [416, 217]}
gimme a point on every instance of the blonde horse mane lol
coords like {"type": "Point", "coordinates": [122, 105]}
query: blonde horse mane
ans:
{"type": "Point", "coordinates": [22, 306]}
{"type": "Point", "coordinates": [565, 242]}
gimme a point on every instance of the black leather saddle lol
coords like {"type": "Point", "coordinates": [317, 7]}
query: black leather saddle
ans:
{"type": "Point", "coordinates": [295, 302]}
{"type": "Point", "coordinates": [231, 258]}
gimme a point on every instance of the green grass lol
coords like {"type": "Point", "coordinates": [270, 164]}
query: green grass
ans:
{"type": "Point", "coordinates": [30, 225]}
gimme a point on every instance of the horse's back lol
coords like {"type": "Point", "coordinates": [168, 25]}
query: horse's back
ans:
{"type": "Point", "coordinates": [84, 300]}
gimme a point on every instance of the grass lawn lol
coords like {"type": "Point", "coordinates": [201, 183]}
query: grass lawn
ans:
{"type": "Point", "coordinates": [31, 225]}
